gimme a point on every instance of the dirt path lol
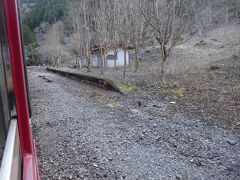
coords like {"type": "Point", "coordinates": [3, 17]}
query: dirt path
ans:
{"type": "Point", "coordinates": [80, 135]}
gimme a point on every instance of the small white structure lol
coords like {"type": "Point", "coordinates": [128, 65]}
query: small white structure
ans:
{"type": "Point", "coordinates": [97, 60]}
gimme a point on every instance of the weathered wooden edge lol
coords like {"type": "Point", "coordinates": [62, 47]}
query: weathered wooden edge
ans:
{"type": "Point", "coordinates": [102, 82]}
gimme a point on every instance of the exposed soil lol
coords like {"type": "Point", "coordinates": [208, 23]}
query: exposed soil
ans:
{"type": "Point", "coordinates": [213, 93]}
{"type": "Point", "coordinates": [83, 132]}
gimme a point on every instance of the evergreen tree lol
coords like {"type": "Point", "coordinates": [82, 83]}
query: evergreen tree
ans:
{"type": "Point", "coordinates": [29, 36]}
{"type": "Point", "coordinates": [46, 11]}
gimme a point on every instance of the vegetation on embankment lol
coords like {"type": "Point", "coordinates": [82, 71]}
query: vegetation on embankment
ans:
{"type": "Point", "coordinates": [126, 86]}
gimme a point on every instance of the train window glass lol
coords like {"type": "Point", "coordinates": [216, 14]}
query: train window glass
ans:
{"type": "Point", "coordinates": [7, 100]}
{"type": "Point", "coordinates": [3, 94]}
{"type": "Point", "coordinates": [7, 66]}
{"type": "Point", "coordinates": [2, 117]}
{"type": "Point", "coordinates": [3, 108]}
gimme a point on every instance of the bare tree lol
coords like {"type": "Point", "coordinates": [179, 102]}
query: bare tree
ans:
{"type": "Point", "coordinates": [110, 24]}
{"type": "Point", "coordinates": [81, 22]}
{"type": "Point", "coordinates": [77, 48]}
{"type": "Point", "coordinates": [103, 22]}
{"type": "Point", "coordinates": [53, 44]}
{"type": "Point", "coordinates": [207, 14]}
{"type": "Point", "coordinates": [166, 25]}
{"type": "Point", "coordinates": [88, 8]}
{"type": "Point", "coordinates": [115, 29]}
{"type": "Point", "coordinates": [200, 15]}
{"type": "Point", "coordinates": [124, 31]}
{"type": "Point", "coordinates": [236, 4]}
{"type": "Point", "coordinates": [139, 34]}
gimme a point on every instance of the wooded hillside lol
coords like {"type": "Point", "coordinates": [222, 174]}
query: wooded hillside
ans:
{"type": "Point", "coordinates": [88, 24]}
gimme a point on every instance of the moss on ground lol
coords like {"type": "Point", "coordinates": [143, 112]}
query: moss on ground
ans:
{"type": "Point", "coordinates": [126, 86]}
{"type": "Point", "coordinates": [180, 92]}
{"type": "Point", "coordinates": [168, 91]}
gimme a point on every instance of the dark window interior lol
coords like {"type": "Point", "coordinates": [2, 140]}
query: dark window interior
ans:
{"type": "Point", "coordinates": [110, 57]}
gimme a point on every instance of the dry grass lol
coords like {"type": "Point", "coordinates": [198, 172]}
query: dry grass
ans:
{"type": "Point", "coordinates": [213, 93]}
{"type": "Point", "coordinates": [202, 76]}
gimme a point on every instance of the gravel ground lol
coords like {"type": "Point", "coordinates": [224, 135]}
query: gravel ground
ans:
{"type": "Point", "coordinates": [83, 132]}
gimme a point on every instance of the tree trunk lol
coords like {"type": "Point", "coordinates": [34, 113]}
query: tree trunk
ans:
{"type": "Point", "coordinates": [55, 62]}
{"type": "Point", "coordinates": [103, 57]}
{"type": "Point", "coordinates": [125, 63]}
{"type": "Point", "coordinates": [89, 61]}
{"type": "Point", "coordinates": [238, 14]}
{"type": "Point", "coordinates": [200, 30]}
{"type": "Point", "coordinates": [102, 65]}
{"type": "Point", "coordinates": [105, 60]}
{"type": "Point", "coordinates": [58, 62]}
{"type": "Point", "coordinates": [163, 70]}
{"type": "Point", "coordinates": [164, 59]}
{"type": "Point", "coordinates": [115, 58]}
{"type": "Point", "coordinates": [210, 13]}
{"type": "Point", "coordinates": [77, 62]}
{"type": "Point", "coordinates": [136, 59]}
{"type": "Point", "coordinates": [226, 18]}
{"type": "Point", "coordinates": [80, 64]}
